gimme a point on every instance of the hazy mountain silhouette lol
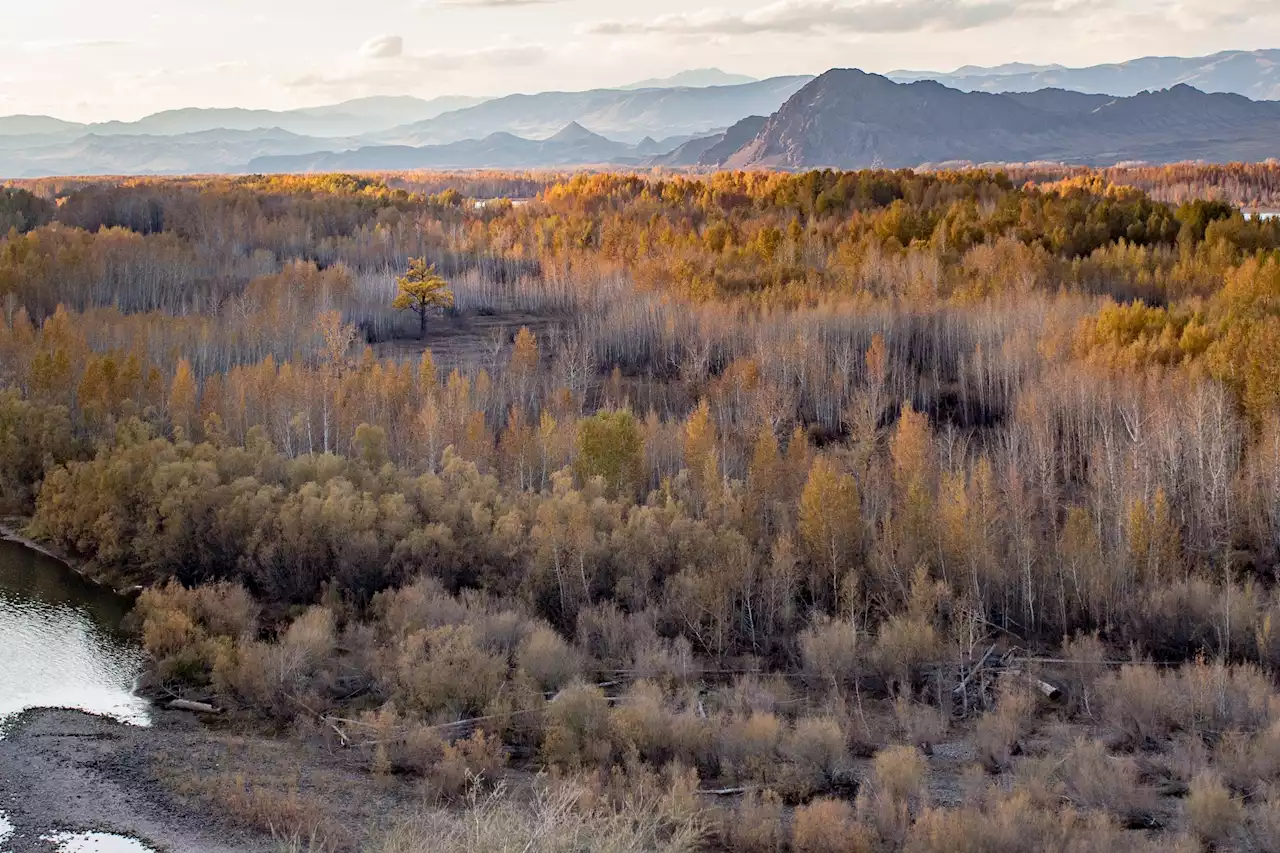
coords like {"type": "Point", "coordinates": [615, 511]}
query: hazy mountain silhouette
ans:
{"type": "Point", "coordinates": [622, 114]}
{"type": "Point", "coordinates": [574, 145]}
{"type": "Point", "coordinates": [210, 151]}
{"type": "Point", "coordinates": [1255, 74]}
{"type": "Point", "coordinates": [696, 78]}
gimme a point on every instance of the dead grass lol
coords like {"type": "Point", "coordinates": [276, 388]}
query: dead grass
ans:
{"type": "Point", "coordinates": [288, 815]}
{"type": "Point", "coordinates": [559, 818]}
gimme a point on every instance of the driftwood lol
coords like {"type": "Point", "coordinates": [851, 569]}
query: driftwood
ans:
{"type": "Point", "coordinates": [1050, 691]}
{"type": "Point", "coordinates": [193, 707]}
{"type": "Point", "coordinates": [975, 670]}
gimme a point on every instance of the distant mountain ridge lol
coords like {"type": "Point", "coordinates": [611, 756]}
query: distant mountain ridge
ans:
{"type": "Point", "coordinates": [573, 145]}
{"type": "Point", "coordinates": [695, 78]}
{"type": "Point", "coordinates": [850, 119]}
{"type": "Point", "coordinates": [628, 115]}
{"type": "Point", "coordinates": [1254, 74]}
{"type": "Point", "coordinates": [349, 118]}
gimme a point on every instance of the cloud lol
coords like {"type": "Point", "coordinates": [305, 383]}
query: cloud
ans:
{"type": "Point", "coordinates": [807, 17]}
{"type": "Point", "coordinates": [495, 4]}
{"type": "Point", "coordinates": [406, 72]}
{"type": "Point", "coordinates": [100, 44]}
{"type": "Point", "coordinates": [1201, 15]}
{"type": "Point", "coordinates": [383, 47]}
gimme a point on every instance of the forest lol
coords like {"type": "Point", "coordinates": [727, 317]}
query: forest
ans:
{"type": "Point", "coordinates": [824, 512]}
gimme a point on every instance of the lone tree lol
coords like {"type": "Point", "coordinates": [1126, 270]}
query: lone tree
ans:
{"type": "Point", "coordinates": [422, 289]}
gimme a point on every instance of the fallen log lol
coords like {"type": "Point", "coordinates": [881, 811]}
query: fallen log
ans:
{"type": "Point", "coordinates": [193, 707]}
{"type": "Point", "coordinates": [1050, 691]}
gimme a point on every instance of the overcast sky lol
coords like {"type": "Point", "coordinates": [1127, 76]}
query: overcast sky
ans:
{"type": "Point", "coordinates": [101, 59]}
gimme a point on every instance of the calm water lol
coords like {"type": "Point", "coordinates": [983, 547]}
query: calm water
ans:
{"type": "Point", "coordinates": [61, 647]}
{"type": "Point", "coordinates": [60, 641]}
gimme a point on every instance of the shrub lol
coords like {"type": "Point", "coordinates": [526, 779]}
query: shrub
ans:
{"type": "Point", "coordinates": [829, 826]}
{"type": "Point", "coordinates": [643, 724]}
{"type": "Point", "coordinates": [1136, 703]}
{"type": "Point", "coordinates": [998, 731]}
{"type": "Point", "coordinates": [176, 643]}
{"type": "Point", "coordinates": [749, 747]}
{"type": "Point", "coordinates": [444, 670]}
{"type": "Point", "coordinates": [1085, 657]}
{"type": "Point", "coordinates": [464, 764]}
{"type": "Point", "coordinates": [905, 643]}
{"type": "Point", "coordinates": [545, 657]}
{"type": "Point", "coordinates": [1096, 781]}
{"type": "Point", "coordinates": [1147, 705]}
{"type": "Point", "coordinates": [816, 754]}
{"type": "Point", "coordinates": [1212, 814]}
{"type": "Point", "coordinates": [181, 627]}
{"type": "Point", "coordinates": [1013, 823]}
{"type": "Point", "coordinates": [1249, 763]}
{"type": "Point", "coordinates": [422, 605]}
{"type": "Point", "coordinates": [919, 724]}
{"type": "Point", "coordinates": [1261, 830]}
{"type": "Point", "coordinates": [755, 826]}
{"type": "Point", "coordinates": [577, 728]}
{"type": "Point", "coordinates": [896, 791]}
{"type": "Point", "coordinates": [832, 652]}
{"type": "Point", "coordinates": [226, 609]}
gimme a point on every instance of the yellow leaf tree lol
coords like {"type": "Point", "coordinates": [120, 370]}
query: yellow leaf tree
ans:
{"type": "Point", "coordinates": [831, 525]}
{"type": "Point", "coordinates": [422, 290]}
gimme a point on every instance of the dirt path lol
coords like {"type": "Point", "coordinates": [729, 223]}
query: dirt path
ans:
{"type": "Point", "coordinates": [64, 771]}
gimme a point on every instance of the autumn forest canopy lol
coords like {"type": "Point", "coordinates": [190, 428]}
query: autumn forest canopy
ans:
{"type": "Point", "coordinates": [730, 480]}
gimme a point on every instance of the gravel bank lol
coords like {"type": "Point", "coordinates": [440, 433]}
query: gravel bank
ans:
{"type": "Point", "coordinates": [64, 771]}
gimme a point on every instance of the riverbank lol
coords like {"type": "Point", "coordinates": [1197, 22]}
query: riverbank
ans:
{"type": "Point", "coordinates": [11, 530]}
{"type": "Point", "coordinates": [179, 786]}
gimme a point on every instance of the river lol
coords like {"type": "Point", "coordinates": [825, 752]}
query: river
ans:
{"type": "Point", "coordinates": [62, 641]}
{"type": "Point", "coordinates": [61, 646]}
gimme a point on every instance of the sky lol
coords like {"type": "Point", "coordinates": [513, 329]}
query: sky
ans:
{"type": "Point", "coordinates": [93, 60]}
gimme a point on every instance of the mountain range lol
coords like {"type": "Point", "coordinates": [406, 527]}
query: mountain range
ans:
{"type": "Point", "coordinates": [573, 145]}
{"type": "Point", "coordinates": [625, 114]}
{"type": "Point", "coordinates": [350, 118]}
{"type": "Point", "coordinates": [380, 131]}
{"type": "Point", "coordinates": [710, 119]}
{"type": "Point", "coordinates": [850, 119]}
{"type": "Point", "coordinates": [1254, 74]}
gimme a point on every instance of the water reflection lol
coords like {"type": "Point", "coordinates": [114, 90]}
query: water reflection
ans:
{"type": "Point", "coordinates": [60, 641]}
{"type": "Point", "coordinates": [96, 842]}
